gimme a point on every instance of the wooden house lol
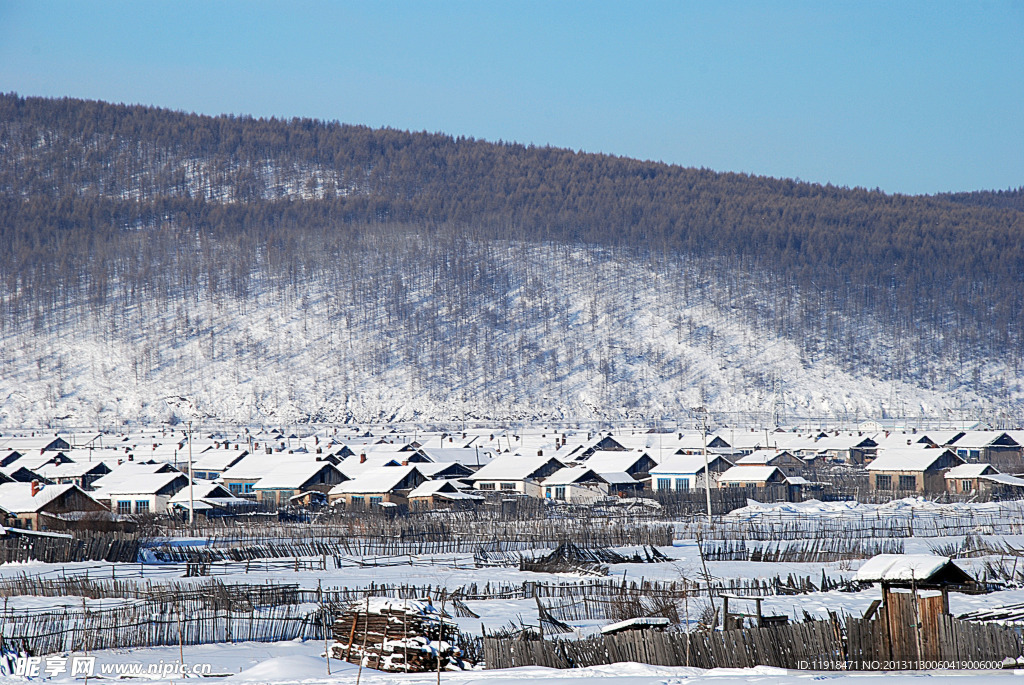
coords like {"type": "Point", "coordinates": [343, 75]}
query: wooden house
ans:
{"type": "Point", "coordinates": [685, 472]}
{"type": "Point", "coordinates": [282, 485]}
{"type": "Point", "coordinates": [45, 507]}
{"type": "Point", "coordinates": [514, 474]}
{"type": "Point", "coordinates": [911, 469]}
{"type": "Point", "coordinates": [381, 485]}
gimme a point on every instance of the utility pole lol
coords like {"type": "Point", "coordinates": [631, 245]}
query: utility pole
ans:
{"type": "Point", "coordinates": [707, 469]}
{"type": "Point", "coordinates": [191, 501]}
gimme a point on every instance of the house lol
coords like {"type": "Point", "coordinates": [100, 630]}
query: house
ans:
{"type": "Point", "coordinates": [787, 463]}
{"type": "Point", "coordinates": [43, 507]}
{"type": "Point", "coordinates": [583, 484]}
{"type": "Point", "coordinates": [992, 447]}
{"type": "Point", "coordinates": [209, 499]}
{"type": "Point", "coordinates": [470, 457]}
{"type": "Point", "coordinates": [445, 471]}
{"type": "Point", "coordinates": [82, 474]}
{"type": "Point", "coordinates": [144, 493]}
{"type": "Point", "coordinates": [852, 448]}
{"type": "Point", "coordinates": [281, 485]}
{"type": "Point", "coordinates": [435, 493]}
{"type": "Point", "coordinates": [685, 472]}
{"type": "Point", "coordinates": [751, 477]}
{"type": "Point", "coordinates": [911, 469]}
{"type": "Point", "coordinates": [513, 474]}
{"type": "Point", "coordinates": [963, 479]}
{"type": "Point", "coordinates": [636, 464]}
{"type": "Point", "coordinates": [214, 462]}
{"type": "Point", "coordinates": [380, 485]}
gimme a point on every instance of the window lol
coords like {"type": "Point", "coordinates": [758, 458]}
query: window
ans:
{"type": "Point", "coordinates": [682, 483]}
{"type": "Point", "coordinates": [508, 486]}
{"type": "Point", "coordinates": [246, 488]}
{"type": "Point", "coordinates": [142, 506]}
{"type": "Point", "coordinates": [664, 483]}
{"type": "Point", "coordinates": [961, 453]}
{"type": "Point", "coordinates": [975, 454]}
{"type": "Point", "coordinates": [124, 506]}
{"type": "Point", "coordinates": [560, 492]}
{"type": "Point", "coordinates": [547, 493]}
{"type": "Point", "coordinates": [358, 499]}
{"type": "Point", "coordinates": [376, 500]}
{"type": "Point", "coordinates": [486, 486]}
{"type": "Point", "coordinates": [908, 482]}
{"type": "Point", "coordinates": [235, 488]}
{"type": "Point", "coordinates": [268, 496]}
{"type": "Point", "coordinates": [883, 482]}
{"type": "Point", "coordinates": [965, 486]}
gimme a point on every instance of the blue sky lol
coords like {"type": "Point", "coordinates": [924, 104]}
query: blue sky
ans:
{"type": "Point", "coordinates": [914, 97]}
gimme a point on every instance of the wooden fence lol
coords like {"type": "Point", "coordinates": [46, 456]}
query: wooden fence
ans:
{"type": "Point", "coordinates": [84, 546]}
{"type": "Point", "coordinates": [942, 642]}
{"type": "Point", "coordinates": [151, 625]}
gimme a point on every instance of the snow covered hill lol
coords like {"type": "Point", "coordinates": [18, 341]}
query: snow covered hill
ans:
{"type": "Point", "coordinates": [505, 331]}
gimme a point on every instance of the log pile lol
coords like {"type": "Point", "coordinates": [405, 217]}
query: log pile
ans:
{"type": "Point", "coordinates": [398, 635]}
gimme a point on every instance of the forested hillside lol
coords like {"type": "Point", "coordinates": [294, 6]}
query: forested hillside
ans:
{"type": "Point", "coordinates": [445, 275]}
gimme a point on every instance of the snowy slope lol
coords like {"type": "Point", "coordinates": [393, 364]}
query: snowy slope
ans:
{"type": "Point", "coordinates": [532, 332]}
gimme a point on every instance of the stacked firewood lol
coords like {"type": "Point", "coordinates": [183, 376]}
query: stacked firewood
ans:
{"type": "Point", "coordinates": [390, 634]}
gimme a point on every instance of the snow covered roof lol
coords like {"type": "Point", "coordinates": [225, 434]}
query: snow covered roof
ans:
{"type": "Point", "coordinates": [606, 460]}
{"type": "Point", "coordinates": [1004, 479]}
{"type": "Point", "coordinates": [513, 467]}
{"type": "Point", "coordinates": [908, 458]}
{"type": "Point", "coordinates": [145, 484]}
{"type": "Point", "coordinates": [446, 489]}
{"type": "Point", "coordinates": [760, 457]}
{"type": "Point", "coordinates": [970, 471]}
{"type": "Point", "coordinates": [380, 479]}
{"type": "Point", "coordinates": [71, 469]}
{"type": "Point", "coordinates": [980, 439]}
{"type": "Point", "coordinates": [293, 475]}
{"type": "Point", "coordinates": [468, 456]}
{"type": "Point", "coordinates": [683, 464]}
{"type": "Point", "coordinates": [920, 568]}
{"type": "Point", "coordinates": [126, 472]}
{"type": "Point", "coordinates": [17, 497]}
{"type": "Point", "coordinates": [571, 474]}
{"type": "Point", "coordinates": [748, 474]}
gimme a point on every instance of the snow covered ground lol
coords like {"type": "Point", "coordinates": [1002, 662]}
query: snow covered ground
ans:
{"type": "Point", "coordinates": [585, 335]}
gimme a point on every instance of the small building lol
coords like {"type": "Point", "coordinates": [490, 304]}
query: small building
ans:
{"type": "Point", "coordinates": [751, 477]}
{"type": "Point", "coordinates": [965, 479]}
{"type": "Point", "coordinates": [82, 474]}
{"type": "Point", "coordinates": [991, 447]}
{"type": "Point", "coordinates": [684, 472]}
{"type": "Point", "coordinates": [581, 484]}
{"type": "Point", "coordinates": [786, 462]}
{"type": "Point", "coordinates": [37, 507]}
{"type": "Point", "coordinates": [281, 485]}
{"type": "Point", "coordinates": [148, 493]}
{"type": "Point", "coordinates": [381, 485]}
{"type": "Point", "coordinates": [440, 493]}
{"type": "Point", "coordinates": [512, 474]}
{"type": "Point", "coordinates": [911, 469]}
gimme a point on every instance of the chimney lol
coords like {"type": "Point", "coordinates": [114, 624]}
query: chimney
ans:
{"type": "Point", "coordinates": [35, 488]}
{"type": "Point", "coordinates": [540, 453]}
{"type": "Point", "coordinates": [362, 458]}
{"type": "Point", "coordinates": [405, 463]}
{"type": "Point", "coordinates": [131, 457]}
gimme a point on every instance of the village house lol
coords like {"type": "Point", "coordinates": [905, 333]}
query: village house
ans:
{"type": "Point", "coordinates": [281, 486]}
{"type": "Point", "coordinates": [82, 474]}
{"type": "Point", "coordinates": [751, 477]}
{"type": "Point", "coordinates": [38, 507]}
{"type": "Point", "coordinates": [208, 500]}
{"type": "Point", "coordinates": [146, 493]}
{"type": "Point", "coordinates": [582, 484]}
{"type": "Point", "coordinates": [431, 494]}
{"type": "Point", "coordinates": [911, 469]}
{"type": "Point", "coordinates": [787, 463]}
{"type": "Point", "coordinates": [991, 447]}
{"type": "Point", "coordinates": [381, 485]}
{"type": "Point", "coordinates": [685, 472]}
{"type": "Point", "coordinates": [512, 474]}
{"type": "Point", "coordinates": [213, 462]}
{"type": "Point", "coordinates": [636, 464]}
